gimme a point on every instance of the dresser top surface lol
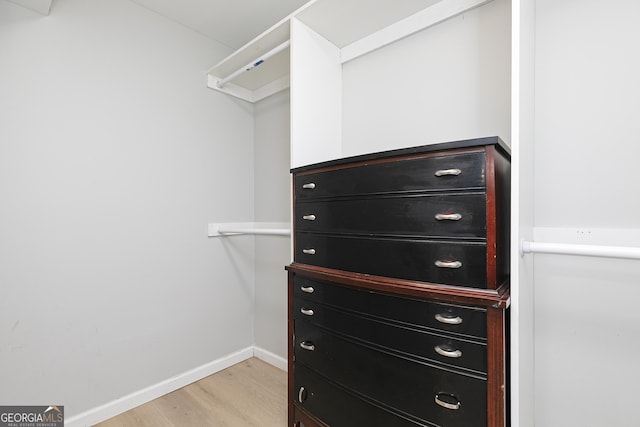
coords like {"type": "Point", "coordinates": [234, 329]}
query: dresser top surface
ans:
{"type": "Point", "coordinates": [466, 143]}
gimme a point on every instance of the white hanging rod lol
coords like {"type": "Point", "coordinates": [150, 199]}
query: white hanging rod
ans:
{"type": "Point", "coordinates": [262, 231]}
{"type": "Point", "coordinates": [253, 64]}
{"type": "Point", "coordinates": [257, 228]}
{"type": "Point", "coordinates": [626, 252]}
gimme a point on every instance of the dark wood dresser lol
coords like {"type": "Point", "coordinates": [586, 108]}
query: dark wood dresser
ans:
{"type": "Point", "coordinates": [399, 289]}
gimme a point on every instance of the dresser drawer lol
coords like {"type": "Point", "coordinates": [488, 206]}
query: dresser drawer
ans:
{"type": "Point", "coordinates": [454, 215]}
{"type": "Point", "coordinates": [424, 391]}
{"type": "Point", "coordinates": [446, 262]}
{"type": "Point", "coordinates": [416, 314]}
{"type": "Point", "coordinates": [338, 407]}
{"type": "Point", "coordinates": [312, 348]}
{"type": "Point", "coordinates": [443, 172]}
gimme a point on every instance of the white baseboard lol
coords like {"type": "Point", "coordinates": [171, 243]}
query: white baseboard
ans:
{"type": "Point", "coordinates": [270, 358]}
{"type": "Point", "coordinates": [111, 409]}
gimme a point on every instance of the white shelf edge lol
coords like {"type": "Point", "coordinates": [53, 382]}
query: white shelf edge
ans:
{"type": "Point", "coordinates": [412, 24]}
{"type": "Point", "coordinates": [252, 45]}
{"type": "Point", "coordinates": [255, 62]}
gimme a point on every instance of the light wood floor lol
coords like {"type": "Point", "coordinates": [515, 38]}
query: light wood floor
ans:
{"type": "Point", "coordinates": [251, 393]}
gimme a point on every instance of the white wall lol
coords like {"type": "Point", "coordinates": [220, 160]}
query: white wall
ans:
{"type": "Point", "coordinates": [113, 157]}
{"type": "Point", "coordinates": [587, 146]}
{"type": "Point", "coordinates": [272, 204]}
{"type": "Point", "coordinates": [587, 107]}
{"type": "Point", "coordinates": [448, 82]}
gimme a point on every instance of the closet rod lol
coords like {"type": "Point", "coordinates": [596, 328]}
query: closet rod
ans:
{"type": "Point", "coordinates": [260, 231]}
{"type": "Point", "coordinates": [253, 64]}
{"type": "Point", "coordinates": [625, 252]}
{"type": "Point", "coordinates": [235, 228]}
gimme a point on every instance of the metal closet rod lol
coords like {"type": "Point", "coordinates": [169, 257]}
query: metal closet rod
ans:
{"type": "Point", "coordinates": [626, 252]}
{"type": "Point", "coordinates": [253, 64]}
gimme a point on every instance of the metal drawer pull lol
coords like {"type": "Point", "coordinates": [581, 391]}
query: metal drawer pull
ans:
{"type": "Point", "coordinates": [307, 289]}
{"type": "Point", "coordinates": [309, 251]}
{"type": "Point", "coordinates": [309, 186]}
{"type": "Point", "coordinates": [448, 216]}
{"type": "Point", "coordinates": [447, 351]}
{"type": "Point", "coordinates": [302, 395]}
{"type": "Point", "coordinates": [448, 172]}
{"type": "Point", "coordinates": [306, 311]}
{"type": "Point", "coordinates": [448, 264]}
{"type": "Point", "coordinates": [309, 217]}
{"type": "Point", "coordinates": [445, 404]}
{"type": "Point", "coordinates": [448, 319]}
{"type": "Point", "coordinates": [307, 346]}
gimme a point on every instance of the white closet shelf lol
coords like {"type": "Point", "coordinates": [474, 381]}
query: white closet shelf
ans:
{"type": "Point", "coordinates": [269, 77]}
{"type": "Point", "coordinates": [356, 27]}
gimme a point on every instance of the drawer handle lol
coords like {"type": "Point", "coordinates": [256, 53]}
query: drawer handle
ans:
{"type": "Point", "coordinates": [310, 251]}
{"type": "Point", "coordinates": [448, 217]}
{"type": "Point", "coordinates": [448, 172]}
{"type": "Point", "coordinates": [309, 217]}
{"type": "Point", "coordinates": [447, 401]}
{"type": "Point", "coordinates": [448, 319]}
{"type": "Point", "coordinates": [302, 395]}
{"type": "Point", "coordinates": [306, 311]}
{"type": "Point", "coordinates": [307, 346]}
{"type": "Point", "coordinates": [448, 264]}
{"type": "Point", "coordinates": [307, 289]}
{"type": "Point", "coordinates": [309, 186]}
{"type": "Point", "coordinates": [446, 351]}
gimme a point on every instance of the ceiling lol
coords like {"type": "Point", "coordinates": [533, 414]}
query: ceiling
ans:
{"type": "Point", "coordinates": [230, 22]}
{"type": "Point", "coordinates": [236, 22]}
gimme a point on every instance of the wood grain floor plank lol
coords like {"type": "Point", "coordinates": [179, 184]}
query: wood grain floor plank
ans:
{"type": "Point", "coordinates": [250, 393]}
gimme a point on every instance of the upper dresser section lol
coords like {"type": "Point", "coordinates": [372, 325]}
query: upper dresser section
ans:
{"type": "Point", "coordinates": [436, 213]}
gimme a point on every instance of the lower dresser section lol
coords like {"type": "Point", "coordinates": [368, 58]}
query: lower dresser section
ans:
{"type": "Point", "coordinates": [361, 357]}
{"type": "Point", "coordinates": [405, 388]}
{"type": "Point", "coordinates": [338, 406]}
